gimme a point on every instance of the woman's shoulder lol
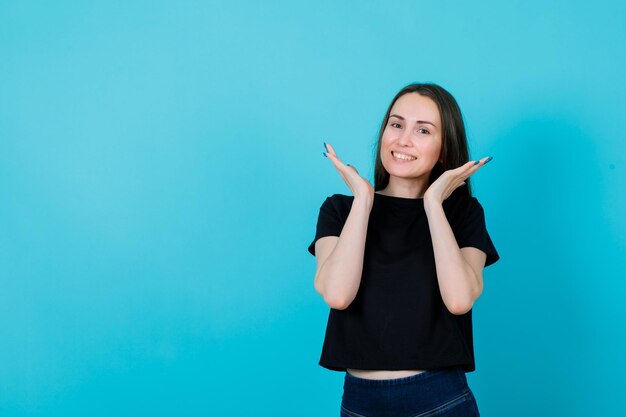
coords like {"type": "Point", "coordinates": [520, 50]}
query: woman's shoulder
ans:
{"type": "Point", "coordinates": [340, 202]}
{"type": "Point", "coordinates": [461, 202]}
{"type": "Point", "coordinates": [459, 196]}
{"type": "Point", "coordinates": [340, 198]}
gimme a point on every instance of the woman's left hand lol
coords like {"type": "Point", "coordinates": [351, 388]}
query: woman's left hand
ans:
{"type": "Point", "coordinates": [450, 180]}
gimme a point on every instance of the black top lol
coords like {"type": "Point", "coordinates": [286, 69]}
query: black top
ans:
{"type": "Point", "coordinates": [398, 320]}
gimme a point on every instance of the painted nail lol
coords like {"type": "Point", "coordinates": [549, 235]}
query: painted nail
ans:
{"type": "Point", "coordinates": [488, 159]}
{"type": "Point", "coordinates": [325, 154]}
{"type": "Point", "coordinates": [476, 163]}
{"type": "Point", "coordinates": [325, 146]}
{"type": "Point", "coordinates": [347, 164]}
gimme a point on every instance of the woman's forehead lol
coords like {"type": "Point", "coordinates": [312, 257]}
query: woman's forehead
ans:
{"type": "Point", "coordinates": [413, 106]}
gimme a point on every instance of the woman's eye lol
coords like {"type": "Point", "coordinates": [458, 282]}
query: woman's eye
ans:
{"type": "Point", "coordinates": [423, 130]}
{"type": "Point", "coordinates": [395, 125]}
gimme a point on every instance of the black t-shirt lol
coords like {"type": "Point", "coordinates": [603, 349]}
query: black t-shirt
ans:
{"type": "Point", "coordinates": [398, 320]}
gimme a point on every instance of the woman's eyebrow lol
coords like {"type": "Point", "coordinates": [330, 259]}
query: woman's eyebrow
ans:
{"type": "Point", "coordinates": [419, 121]}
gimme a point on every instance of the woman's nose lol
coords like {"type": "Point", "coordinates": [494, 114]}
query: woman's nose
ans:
{"type": "Point", "coordinates": [405, 138]}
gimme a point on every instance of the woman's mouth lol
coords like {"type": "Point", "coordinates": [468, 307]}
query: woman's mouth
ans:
{"type": "Point", "coordinates": [402, 157]}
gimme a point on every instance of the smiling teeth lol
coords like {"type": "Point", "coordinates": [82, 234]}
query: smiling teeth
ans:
{"type": "Point", "coordinates": [405, 157]}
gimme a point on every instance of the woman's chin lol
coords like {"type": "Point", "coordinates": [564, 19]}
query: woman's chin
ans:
{"type": "Point", "coordinates": [408, 173]}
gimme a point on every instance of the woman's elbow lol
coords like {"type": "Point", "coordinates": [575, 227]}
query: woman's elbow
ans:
{"type": "Point", "coordinates": [459, 309]}
{"type": "Point", "coordinates": [334, 299]}
{"type": "Point", "coordinates": [336, 302]}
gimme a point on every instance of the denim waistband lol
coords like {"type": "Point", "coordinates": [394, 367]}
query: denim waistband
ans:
{"type": "Point", "coordinates": [432, 392]}
{"type": "Point", "coordinates": [426, 374]}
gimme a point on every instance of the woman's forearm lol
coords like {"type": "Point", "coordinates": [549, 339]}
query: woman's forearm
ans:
{"type": "Point", "coordinates": [340, 275]}
{"type": "Point", "coordinates": [457, 280]}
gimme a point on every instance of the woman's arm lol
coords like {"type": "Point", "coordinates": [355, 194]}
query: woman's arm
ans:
{"type": "Point", "coordinates": [339, 269]}
{"type": "Point", "coordinates": [338, 277]}
{"type": "Point", "coordinates": [459, 271]}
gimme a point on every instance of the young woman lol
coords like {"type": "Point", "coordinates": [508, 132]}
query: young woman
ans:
{"type": "Point", "coordinates": [401, 264]}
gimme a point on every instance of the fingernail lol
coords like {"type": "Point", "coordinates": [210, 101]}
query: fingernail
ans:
{"type": "Point", "coordinates": [476, 163]}
{"type": "Point", "coordinates": [347, 164]}
{"type": "Point", "coordinates": [488, 159]}
{"type": "Point", "coordinates": [325, 146]}
{"type": "Point", "coordinates": [325, 154]}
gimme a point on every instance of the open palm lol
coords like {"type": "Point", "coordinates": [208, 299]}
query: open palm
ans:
{"type": "Point", "coordinates": [359, 186]}
{"type": "Point", "coordinates": [451, 179]}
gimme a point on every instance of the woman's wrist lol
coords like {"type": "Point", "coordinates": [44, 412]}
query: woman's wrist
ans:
{"type": "Point", "coordinates": [431, 203]}
{"type": "Point", "coordinates": [365, 201]}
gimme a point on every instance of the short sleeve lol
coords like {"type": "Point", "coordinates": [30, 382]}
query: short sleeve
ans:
{"type": "Point", "coordinates": [473, 232]}
{"type": "Point", "coordinates": [329, 223]}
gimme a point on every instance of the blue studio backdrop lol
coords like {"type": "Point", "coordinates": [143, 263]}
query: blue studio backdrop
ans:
{"type": "Point", "coordinates": [161, 173]}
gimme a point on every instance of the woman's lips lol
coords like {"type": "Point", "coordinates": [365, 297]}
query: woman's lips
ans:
{"type": "Point", "coordinates": [402, 160]}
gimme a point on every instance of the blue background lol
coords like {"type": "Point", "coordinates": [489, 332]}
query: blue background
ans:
{"type": "Point", "coordinates": [161, 173]}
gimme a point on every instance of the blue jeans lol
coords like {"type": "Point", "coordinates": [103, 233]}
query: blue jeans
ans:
{"type": "Point", "coordinates": [437, 392]}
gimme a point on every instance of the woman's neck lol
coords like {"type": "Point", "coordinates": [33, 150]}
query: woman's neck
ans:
{"type": "Point", "coordinates": [405, 189]}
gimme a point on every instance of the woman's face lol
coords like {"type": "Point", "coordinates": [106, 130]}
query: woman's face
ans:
{"type": "Point", "coordinates": [414, 130]}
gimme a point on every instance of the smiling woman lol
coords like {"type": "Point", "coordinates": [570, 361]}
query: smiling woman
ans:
{"type": "Point", "coordinates": [410, 142]}
{"type": "Point", "coordinates": [400, 265]}
{"type": "Point", "coordinates": [422, 117]}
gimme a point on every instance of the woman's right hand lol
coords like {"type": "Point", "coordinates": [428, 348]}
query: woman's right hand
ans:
{"type": "Point", "coordinates": [360, 187]}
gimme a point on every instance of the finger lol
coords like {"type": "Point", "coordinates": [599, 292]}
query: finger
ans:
{"type": "Point", "coordinates": [344, 170]}
{"type": "Point", "coordinates": [462, 172]}
{"type": "Point", "coordinates": [470, 167]}
{"type": "Point", "coordinates": [478, 164]}
{"type": "Point", "coordinates": [330, 149]}
{"type": "Point", "coordinates": [341, 167]}
{"type": "Point", "coordinates": [463, 168]}
{"type": "Point", "coordinates": [484, 160]}
{"type": "Point", "coordinates": [473, 167]}
{"type": "Point", "coordinates": [335, 159]}
{"type": "Point", "coordinates": [334, 154]}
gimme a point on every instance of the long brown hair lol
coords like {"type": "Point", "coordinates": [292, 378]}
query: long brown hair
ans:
{"type": "Point", "coordinates": [454, 149]}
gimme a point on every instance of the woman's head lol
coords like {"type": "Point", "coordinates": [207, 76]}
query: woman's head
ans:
{"type": "Point", "coordinates": [425, 122]}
